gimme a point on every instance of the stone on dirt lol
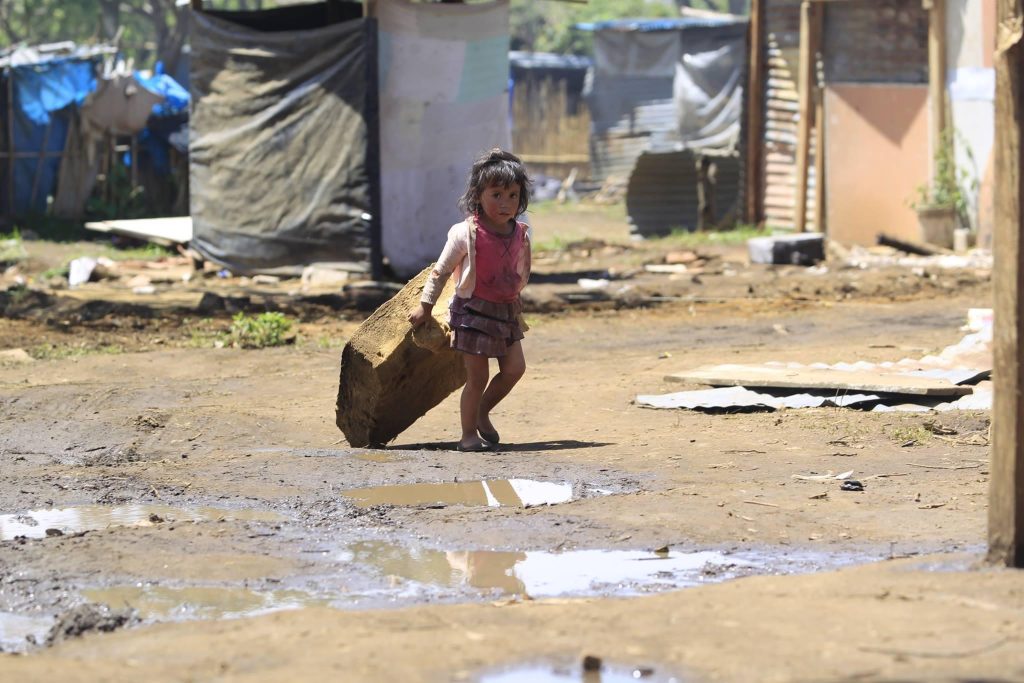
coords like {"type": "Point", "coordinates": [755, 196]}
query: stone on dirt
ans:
{"type": "Point", "coordinates": [85, 618]}
{"type": "Point", "coordinates": [391, 375]}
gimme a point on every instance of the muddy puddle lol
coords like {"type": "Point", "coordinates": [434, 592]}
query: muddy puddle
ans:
{"type": "Point", "coordinates": [199, 602]}
{"type": "Point", "coordinates": [489, 493]}
{"type": "Point", "coordinates": [70, 520]}
{"type": "Point", "coordinates": [544, 574]}
{"type": "Point", "coordinates": [536, 673]}
{"type": "Point", "coordinates": [365, 456]}
{"type": "Point", "coordinates": [18, 630]}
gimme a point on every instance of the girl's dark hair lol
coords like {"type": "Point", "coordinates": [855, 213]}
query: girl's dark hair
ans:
{"type": "Point", "coordinates": [496, 167]}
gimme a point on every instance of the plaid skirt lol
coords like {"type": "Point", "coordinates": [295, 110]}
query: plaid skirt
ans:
{"type": "Point", "coordinates": [484, 328]}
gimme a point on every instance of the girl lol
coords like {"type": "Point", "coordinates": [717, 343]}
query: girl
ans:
{"type": "Point", "coordinates": [489, 253]}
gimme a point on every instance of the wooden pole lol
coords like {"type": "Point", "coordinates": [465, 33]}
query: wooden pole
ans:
{"type": "Point", "coordinates": [819, 160]}
{"type": "Point", "coordinates": [755, 115]}
{"type": "Point", "coordinates": [135, 162]}
{"type": "Point", "coordinates": [10, 144]}
{"type": "Point", "coordinates": [197, 5]}
{"type": "Point", "coordinates": [40, 161]}
{"type": "Point", "coordinates": [1006, 478]}
{"type": "Point", "coordinates": [936, 74]}
{"type": "Point", "coordinates": [817, 32]}
{"type": "Point", "coordinates": [809, 15]}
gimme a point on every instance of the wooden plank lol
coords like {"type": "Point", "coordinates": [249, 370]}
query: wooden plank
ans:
{"type": "Point", "coordinates": [813, 378]}
{"type": "Point", "coordinates": [165, 231]}
{"type": "Point", "coordinates": [810, 29]}
{"type": "Point", "coordinates": [1006, 481]}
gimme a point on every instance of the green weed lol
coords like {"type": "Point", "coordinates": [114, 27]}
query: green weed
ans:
{"type": "Point", "coordinates": [261, 331]}
{"type": "Point", "coordinates": [11, 247]}
{"type": "Point", "coordinates": [685, 238]}
{"type": "Point", "coordinates": [54, 352]}
{"type": "Point", "coordinates": [910, 434]}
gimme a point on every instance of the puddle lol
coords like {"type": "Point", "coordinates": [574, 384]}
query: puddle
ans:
{"type": "Point", "coordinates": [34, 523]}
{"type": "Point", "coordinates": [16, 630]}
{"type": "Point", "coordinates": [553, 674]}
{"type": "Point", "coordinates": [490, 493]}
{"type": "Point", "coordinates": [199, 602]}
{"type": "Point", "coordinates": [368, 456]}
{"type": "Point", "coordinates": [547, 574]}
{"type": "Point", "coordinates": [378, 456]}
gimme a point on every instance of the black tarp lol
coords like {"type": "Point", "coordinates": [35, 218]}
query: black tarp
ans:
{"type": "Point", "coordinates": [283, 149]}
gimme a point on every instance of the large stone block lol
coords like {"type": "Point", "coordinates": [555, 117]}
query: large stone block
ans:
{"type": "Point", "coordinates": [390, 375]}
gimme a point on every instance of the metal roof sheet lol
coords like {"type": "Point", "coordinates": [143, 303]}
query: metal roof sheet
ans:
{"type": "Point", "coordinates": [547, 60]}
{"type": "Point", "coordinates": [661, 24]}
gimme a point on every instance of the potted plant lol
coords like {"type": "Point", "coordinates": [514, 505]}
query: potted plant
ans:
{"type": "Point", "coordinates": [942, 204]}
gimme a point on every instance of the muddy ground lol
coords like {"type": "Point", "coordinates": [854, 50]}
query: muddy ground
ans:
{"type": "Point", "coordinates": [174, 508]}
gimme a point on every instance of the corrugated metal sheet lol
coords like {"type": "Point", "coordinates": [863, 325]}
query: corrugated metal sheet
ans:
{"type": "Point", "coordinates": [876, 41]}
{"type": "Point", "coordinates": [781, 105]}
{"type": "Point", "coordinates": [870, 41]}
{"type": "Point", "coordinates": [614, 155]}
{"type": "Point", "coordinates": [666, 24]}
{"type": "Point", "coordinates": [661, 195]}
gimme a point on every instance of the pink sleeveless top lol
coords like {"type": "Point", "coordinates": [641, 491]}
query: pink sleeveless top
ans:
{"type": "Point", "coordinates": [496, 258]}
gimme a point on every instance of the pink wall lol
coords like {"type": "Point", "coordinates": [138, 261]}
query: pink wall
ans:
{"type": "Point", "coordinates": [876, 155]}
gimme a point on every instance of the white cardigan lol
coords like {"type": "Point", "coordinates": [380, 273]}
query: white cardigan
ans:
{"type": "Point", "coordinates": [459, 257]}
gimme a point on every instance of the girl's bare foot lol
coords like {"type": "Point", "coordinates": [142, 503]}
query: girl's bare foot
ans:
{"type": "Point", "coordinates": [474, 445]}
{"type": "Point", "coordinates": [487, 430]}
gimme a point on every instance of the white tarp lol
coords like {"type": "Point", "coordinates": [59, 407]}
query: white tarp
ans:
{"type": "Point", "coordinates": [443, 101]}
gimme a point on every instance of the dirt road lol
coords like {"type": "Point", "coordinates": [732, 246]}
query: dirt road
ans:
{"type": "Point", "coordinates": [209, 490]}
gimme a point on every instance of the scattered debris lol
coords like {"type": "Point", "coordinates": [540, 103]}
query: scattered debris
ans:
{"type": "Point", "coordinates": [15, 357]}
{"type": "Point", "coordinates": [87, 618]}
{"type": "Point", "coordinates": [851, 485]}
{"type": "Point", "coordinates": [804, 249]}
{"type": "Point", "coordinates": [965, 466]}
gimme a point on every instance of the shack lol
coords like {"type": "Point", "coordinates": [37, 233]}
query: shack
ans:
{"type": "Point", "coordinates": [77, 126]}
{"type": "Point", "coordinates": [40, 89]}
{"type": "Point", "coordinates": [853, 104]}
{"type": "Point", "coordinates": [665, 99]}
{"type": "Point", "coordinates": [550, 120]}
{"type": "Point", "coordinates": [334, 132]}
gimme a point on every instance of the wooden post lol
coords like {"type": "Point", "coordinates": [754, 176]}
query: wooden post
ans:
{"type": "Point", "coordinates": [755, 115]}
{"type": "Point", "coordinates": [40, 161]}
{"type": "Point", "coordinates": [810, 15]}
{"type": "Point", "coordinates": [1006, 478]}
{"type": "Point", "coordinates": [135, 162]}
{"type": "Point", "coordinates": [10, 144]}
{"type": "Point", "coordinates": [818, 29]}
{"type": "Point", "coordinates": [819, 160]}
{"type": "Point", "coordinates": [197, 5]}
{"type": "Point", "coordinates": [936, 74]}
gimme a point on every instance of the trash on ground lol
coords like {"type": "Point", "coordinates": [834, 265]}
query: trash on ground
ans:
{"type": "Point", "coordinates": [934, 382]}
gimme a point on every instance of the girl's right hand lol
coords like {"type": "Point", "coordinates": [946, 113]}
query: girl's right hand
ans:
{"type": "Point", "coordinates": [419, 314]}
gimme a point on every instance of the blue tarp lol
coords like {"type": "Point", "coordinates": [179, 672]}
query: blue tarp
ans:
{"type": "Point", "coordinates": [43, 92]}
{"type": "Point", "coordinates": [30, 137]}
{"type": "Point", "coordinates": [40, 89]}
{"type": "Point", "coordinates": [176, 98]}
